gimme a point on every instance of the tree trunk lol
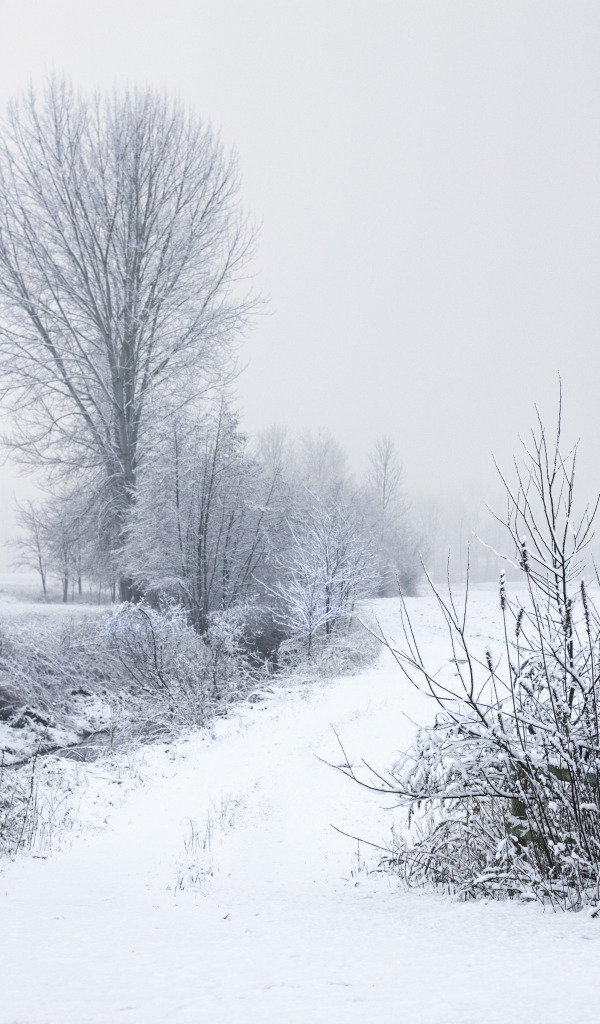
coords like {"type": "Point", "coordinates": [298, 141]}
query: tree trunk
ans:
{"type": "Point", "coordinates": [128, 591]}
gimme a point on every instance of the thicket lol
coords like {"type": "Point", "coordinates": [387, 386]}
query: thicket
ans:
{"type": "Point", "coordinates": [153, 673]}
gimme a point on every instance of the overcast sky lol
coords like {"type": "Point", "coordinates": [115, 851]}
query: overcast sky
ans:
{"type": "Point", "coordinates": [427, 179]}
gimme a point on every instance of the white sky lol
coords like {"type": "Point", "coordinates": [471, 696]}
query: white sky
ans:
{"type": "Point", "coordinates": [427, 178]}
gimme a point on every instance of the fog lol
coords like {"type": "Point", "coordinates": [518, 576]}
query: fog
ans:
{"type": "Point", "coordinates": [425, 178]}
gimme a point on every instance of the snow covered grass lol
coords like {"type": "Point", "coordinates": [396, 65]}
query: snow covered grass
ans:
{"type": "Point", "coordinates": [49, 801]}
{"type": "Point", "coordinates": [210, 885]}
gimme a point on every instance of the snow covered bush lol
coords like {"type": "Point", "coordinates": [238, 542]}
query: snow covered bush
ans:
{"type": "Point", "coordinates": [176, 678]}
{"type": "Point", "coordinates": [45, 666]}
{"type": "Point", "coordinates": [138, 672]}
{"type": "Point", "coordinates": [17, 808]}
{"type": "Point", "coordinates": [502, 788]}
{"type": "Point", "coordinates": [345, 652]}
{"type": "Point", "coordinates": [80, 688]}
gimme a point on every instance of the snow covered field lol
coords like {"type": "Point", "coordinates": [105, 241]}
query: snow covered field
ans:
{"type": "Point", "coordinates": [20, 595]}
{"type": "Point", "coordinates": [210, 886]}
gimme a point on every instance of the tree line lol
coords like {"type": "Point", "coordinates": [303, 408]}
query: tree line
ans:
{"type": "Point", "coordinates": [276, 529]}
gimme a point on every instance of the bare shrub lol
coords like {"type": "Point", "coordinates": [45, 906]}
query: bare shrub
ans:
{"type": "Point", "coordinates": [344, 653]}
{"type": "Point", "coordinates": [503, 788]}
{"type": "Point", "coordinates": [37, 806]}
{"type": "Point", "coordinates": [138, 672]}
{"type": "Point", "coordinates": [175, 678]}
{"type": "Point", "coordinates": [44, 665]}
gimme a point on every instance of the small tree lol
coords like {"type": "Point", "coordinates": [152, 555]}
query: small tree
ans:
{"type": "Point", "coordinates": [62, 536]}
{"type": "Point", "coordinates": [321, 572]}
{"type": "Point", "coordinates": [505, 785]}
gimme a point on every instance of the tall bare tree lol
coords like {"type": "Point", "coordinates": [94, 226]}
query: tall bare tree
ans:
{"type": "Point", "coordinates": [122, 246]}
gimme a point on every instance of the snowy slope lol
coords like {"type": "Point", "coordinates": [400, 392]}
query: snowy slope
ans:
{"type": "Point", "coordinates": [219, 892]}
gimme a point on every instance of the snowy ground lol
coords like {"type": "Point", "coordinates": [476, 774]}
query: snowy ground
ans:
{"type": "Point", "coordinates": [215, 889]}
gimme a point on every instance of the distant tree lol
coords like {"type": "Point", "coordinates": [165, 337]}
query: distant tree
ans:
{"type": "Point", "coordinates": [121, 245]}
{"type": "Point", "coordinates": [321, 464]}
{"type": "Point", "coordinates": [395, 543]}
{"type": "Point", "coordinates": [274, 451]}
{"type": "Point", "coordinates": [385, 473]}
{"type": "Point", "coordinates": [455, 529]}
{"type": "Point", "coordinates": [32, 544]}
{"type": "Point", "coordinates": [64, 532]}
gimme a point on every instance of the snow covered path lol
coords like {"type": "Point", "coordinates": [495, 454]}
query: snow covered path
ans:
{"type": "Point", "coordinates": [220, 893]}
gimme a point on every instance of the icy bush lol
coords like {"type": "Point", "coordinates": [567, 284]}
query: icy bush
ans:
{"type": "Point", "coordinates": [139, 671]}
{"type": "Point", "coordinates": [179, 677]}
{"type": "Point", "coordinates": [44, 667]}
{"type": "Point", "coordinates": [17, 808]}
{"type": "Point", "coordinates": [502, 789]}
{"type": "Point", "coordinates": [344, 652]}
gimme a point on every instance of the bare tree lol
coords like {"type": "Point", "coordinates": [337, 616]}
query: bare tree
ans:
{"type": "Point", "coordinates": [199, 528]}
{"type": "Point", "coordinates": [121, 248]}
{"type": "Point", "coordinates": [32, 545]}
{"type": "Point", "coordinates": [57, 539]}
{"type": "Point", "coordinates": [274, 451]}
{"type": "Point", "coordinates": [320, 464]}
{"type": "Point", "coordinates": [385, 473]}
{"type": "Point", "coordinates": [396, 545]}
{"type": "Point", "coordinates": [322, 571]}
